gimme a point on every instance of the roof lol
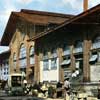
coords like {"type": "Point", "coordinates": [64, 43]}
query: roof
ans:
{"type": "Point", "coordinates": [46, 13]}
{"type": "Point", "coordinates": [89, 17]}
{"type": "Point", "coordinates": [4, 55]}
{"type": "Point", "coordinates": [29, 16]}
{"type": "Point", "coordinates": [5, 52]}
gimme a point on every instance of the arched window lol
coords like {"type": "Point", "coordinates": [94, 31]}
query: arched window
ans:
{"type": "Point", "coordinates": [31, 54]}
{"type": "Point", "coordinates": [96, 42]}
{"type": "Point", "coordinates": [22, 51]}
{"type": "Point", "coordinates": [22, 58]}
{"type": "Point", "coordinates": [14, 60]}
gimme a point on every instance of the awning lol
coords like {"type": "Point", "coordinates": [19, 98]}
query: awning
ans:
{"type": "Point", "coordinates": [93, 58]}
{"type": "Point", "coordinates": [66, 62]}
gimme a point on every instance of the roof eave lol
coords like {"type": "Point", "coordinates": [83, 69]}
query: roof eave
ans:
{"type": "Point", "coordinates": [73, 19]}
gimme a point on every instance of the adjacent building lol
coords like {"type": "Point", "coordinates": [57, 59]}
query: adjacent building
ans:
{"type": "Point", "coordinates": [4, 65]}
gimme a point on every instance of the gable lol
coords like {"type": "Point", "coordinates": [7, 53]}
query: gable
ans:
{"type": "Point", "coordinates": [33, 17]}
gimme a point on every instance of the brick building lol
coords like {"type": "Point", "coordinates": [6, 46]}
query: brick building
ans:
{"type": "Point", "coordinates": [20, 28]}
{"type": "Point", "coordinates": [71, 49]}
{"type": "Point", "coordinates": [50, 46]}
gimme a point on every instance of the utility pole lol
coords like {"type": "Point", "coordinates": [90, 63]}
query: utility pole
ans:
{"type": "Point", "coordinates": [85, 5]}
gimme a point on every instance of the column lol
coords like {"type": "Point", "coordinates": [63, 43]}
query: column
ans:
{"type": "Point", "coordinates": [86, 56]}
{"type": "Point", "coordinates": [73, 64]}
{"type": "Point", "coordinates": [61, 71]}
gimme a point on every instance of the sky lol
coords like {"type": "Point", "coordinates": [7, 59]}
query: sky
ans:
{"type": "Point", "coordinates": [59, 6]}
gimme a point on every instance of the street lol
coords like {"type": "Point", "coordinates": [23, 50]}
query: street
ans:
{"type": "Point", "coordinates": [25, 98]}
{"type": "Point", "coordinates": [19, 98]}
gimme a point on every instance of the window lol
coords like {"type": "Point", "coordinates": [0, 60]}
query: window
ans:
{"type": "Point", "coordinates": [96, 42]}
{"type": "Point", "coordinates": [46, 64]}
{"type": "Point", "coordinates": [7, 72]}
{"type": "Point", "coordinates": [93, 58]}
{"type": "Point", "coordinates": [4, 68]}
{"type": "Point", "coordinates": [16, 81]}
{"type": "Point", "coordinates": [22, 51]}
{"type": "Point", "coordinates": [22, 58]}
{"type": "Point", "coordinates": [4, 73]}
{"type": "Point", "coordinates": [66, 61]}
{"type": "Point", "coordinates": [78, 71]}
{"type": "Point", "coordinates": [66, 49]}
{"type": "Point", "coordinates": [14, 60]}
{"type": "Point", "coordinates": [53, 53]}
{"type": "Point", "coordinates": [45, 61]}
{"type": "Point", "coordinates": [54, 63]}
{"type": "Point", "coordinates": [78, 46]}
{"type": "Point", "coordinates": [54, 59]}
{"type": "Point", "coordinates": [32, 60]}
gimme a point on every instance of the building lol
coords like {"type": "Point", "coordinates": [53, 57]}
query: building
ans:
{"type": "Point", "coordinates": [4, 65]}
{"type": "Point", "coordinates": [20, 28]}
{"type": "Point", "coordinates": [50, 46]}
{"type": "Point", "coordinates": [71, 50]}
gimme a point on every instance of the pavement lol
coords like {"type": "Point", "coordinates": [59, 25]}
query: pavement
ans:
{"type": "Point", "coordinates": [3, 96]}
{"type": "Point", "coordinates": [25, 98]}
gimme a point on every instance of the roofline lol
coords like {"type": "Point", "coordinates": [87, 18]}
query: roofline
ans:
{"type": "Point", "coordinates": [46, 13]}
{"type": "Point", "coordinates": [15, 15]}
{"type": "Point", "coordinates": [12, 14]}
{"type": "Point", "coordinates": [81, 15]}
{"type": "Point", "coordinates": [19, 14]}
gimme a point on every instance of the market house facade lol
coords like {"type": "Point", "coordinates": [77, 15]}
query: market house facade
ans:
{"type": "Point", "coordinates": [21, 27]}
{"type": "Point", "coordinates": [71, 49]}
{"type": "Point", "coordinates": [54, 54]}
{"type": "Point", "coordinates": [45, 50]}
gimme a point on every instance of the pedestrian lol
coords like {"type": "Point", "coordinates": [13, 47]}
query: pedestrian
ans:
{"type": "Point", "coordinates": [59, 89]}
{"type": "Point", "coordinates": [66, 88]}
{"type": "Point", "coordinates": [25, 82]}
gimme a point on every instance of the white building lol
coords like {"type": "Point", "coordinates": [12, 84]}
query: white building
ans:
{"type": "Point", "coordinates": [4, 65]}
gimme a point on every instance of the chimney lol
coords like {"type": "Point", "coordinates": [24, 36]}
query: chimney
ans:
{"type": "Point", "coordinates": [85, 5]}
